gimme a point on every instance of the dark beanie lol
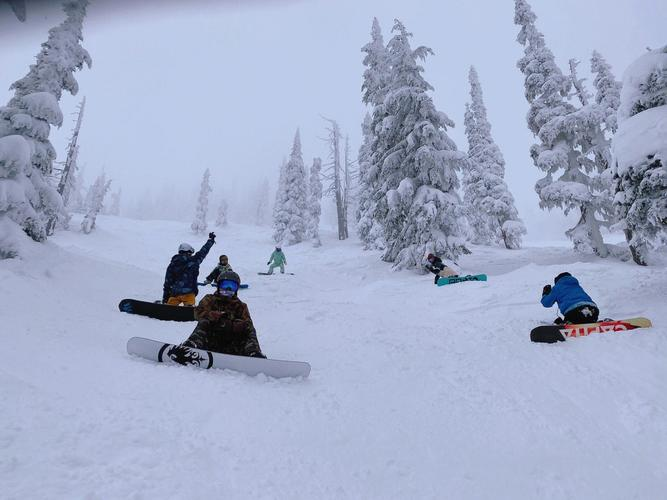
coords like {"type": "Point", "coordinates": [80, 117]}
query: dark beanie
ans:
{"type": "Point", "coordinates": [561, 275]}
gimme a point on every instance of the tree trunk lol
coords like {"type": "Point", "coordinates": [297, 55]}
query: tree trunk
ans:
{"type": "Point", "coordinates": [635, 250]}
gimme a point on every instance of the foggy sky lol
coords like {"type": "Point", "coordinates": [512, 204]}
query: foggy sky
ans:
{"type": "Point", "coordinates": [180, 86]}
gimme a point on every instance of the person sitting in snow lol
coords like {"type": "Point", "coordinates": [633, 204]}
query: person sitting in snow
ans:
{"type": "Point", "coordinates": [224, 323]}
{"type": "Point", "coordinates": [573, 302]}
{"type": "Point", "coordinates": [222, 267]}
{"type": "Point", "coordinates": [277, 259]}
{"type": "Point", "coordinates": [180, 280]}
{"type": "Point", "coordinates": [437, 267]}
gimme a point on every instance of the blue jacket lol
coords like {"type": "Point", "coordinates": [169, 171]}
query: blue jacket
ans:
{"type": "Point", "coordinates": [568, 294]}
{"type": "Point", "coordinates": [183, 271]}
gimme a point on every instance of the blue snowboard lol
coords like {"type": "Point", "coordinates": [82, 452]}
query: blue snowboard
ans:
{"type": "Point", "coordinates": [450, 280]}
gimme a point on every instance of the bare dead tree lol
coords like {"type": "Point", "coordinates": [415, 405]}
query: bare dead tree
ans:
{"type": "Point", "coordinates": [335, 174]}
{"type": "Point", "coordinates": [69, 167]}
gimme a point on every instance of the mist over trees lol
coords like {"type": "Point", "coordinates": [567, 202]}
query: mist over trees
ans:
{"type": "Point", "coordinates": [221, 217]}
{"type": "Point", "coordinates": [199, 224]}
{"type": "Point", "coordinates": [95, 202]}
{"type": "Point", "coordinates": [597, 148]}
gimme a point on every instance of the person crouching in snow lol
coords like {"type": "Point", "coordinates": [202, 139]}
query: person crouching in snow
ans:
{"type": "Point", "coordinates": [437, 267]}
{"type": "Point", "coordinates": [223, 322]}
{"type": "Point", "coordinates": [222, 267]}
{"type": "Point", "coordinates": [573, 302]}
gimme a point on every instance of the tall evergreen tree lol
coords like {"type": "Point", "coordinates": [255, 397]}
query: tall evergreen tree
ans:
{"type": "Point", "coordinates": [291, 213]}
{"type": "Point", "coordinates": [27, 198]}
{"type": "Point", "coordinates": [492, 214]}
{"type": "Point", "coordinates": [418, 164]}
{"type": "Point", "coordinates": [314, 201]}
{"type": "Point", "coordinates": [565, 137]}
{"type": "Point", "coordinates": [199, 225]}
{"type": "Point", "coordinates": [280, 219]}
{"type": "Point", "coordinates": [640, 153]}
{"type": "Point", "coordinates": [374, 87]}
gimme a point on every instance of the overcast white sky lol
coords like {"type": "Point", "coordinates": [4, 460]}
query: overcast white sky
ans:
{"type": "Point", "coordinates": [177, 87]}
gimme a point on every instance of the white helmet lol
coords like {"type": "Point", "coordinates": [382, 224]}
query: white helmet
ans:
{"type": "Point", "coordinates": [184, 247]}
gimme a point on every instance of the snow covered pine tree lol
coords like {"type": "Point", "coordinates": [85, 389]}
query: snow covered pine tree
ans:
{"type": "Point", "coordinates": [290, 215]}
{"type": "Point", "coordinates": [566, 137]}
{"type": "Point", "coordinates": [640, 153]}
{"type": "Point", "coordinates": [417, 164]}
{"type": "Point", "coordinates": [491, 211]}
{"type": "Point", "coordinates": [27, 198]}
{"type": "Point", "coordinates": [371, 199]}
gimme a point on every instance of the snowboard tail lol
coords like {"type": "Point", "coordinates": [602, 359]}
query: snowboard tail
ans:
{"type": "Point", "coordinates": [170, 353]}
{"type": "Point", "coordinates": [158, 310]}
{"type": "Point", "coordinates": [558, 333]}
{"type": "Point", "coordinates": [450, 280]}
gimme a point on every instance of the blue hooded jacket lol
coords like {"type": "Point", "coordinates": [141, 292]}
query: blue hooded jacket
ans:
{"type": "Point", "coordinates": [183, 271]}
{"type": "Point", "coordinates": [568, 294]}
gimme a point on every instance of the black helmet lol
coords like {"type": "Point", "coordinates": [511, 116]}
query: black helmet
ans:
{"type": "Point", "coordinates": [561, 275]}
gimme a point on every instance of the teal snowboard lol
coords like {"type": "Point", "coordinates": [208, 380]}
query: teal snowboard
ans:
{"type": "Point", "coordinates": [450, 280]}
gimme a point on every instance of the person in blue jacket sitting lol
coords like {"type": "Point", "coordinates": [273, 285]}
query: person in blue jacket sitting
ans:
{"type": "Point", "coordinates": [574, 303]}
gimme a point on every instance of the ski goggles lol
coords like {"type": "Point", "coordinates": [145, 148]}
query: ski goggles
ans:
{"type": "Point", "coordinates": [228, 285]}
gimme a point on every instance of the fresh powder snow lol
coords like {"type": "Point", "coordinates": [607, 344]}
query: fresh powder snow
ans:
{"type": "Point", "coordinates": [416, 391]}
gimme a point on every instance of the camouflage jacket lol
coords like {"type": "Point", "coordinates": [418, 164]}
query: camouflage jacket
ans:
{"type": "Point", "coordinates": [235, 313]}
{"type": "Point", "coordinates": [183, 271]}
{"type": "Point", "coordinates": [217, 272]}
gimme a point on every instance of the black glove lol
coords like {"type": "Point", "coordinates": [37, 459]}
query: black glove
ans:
{"type": "Point", "coordinates": [546, 290]}
{"type": "Point", "coordinates": [211, 236]}
{"type": "Point", "coordinates": [269, 262]}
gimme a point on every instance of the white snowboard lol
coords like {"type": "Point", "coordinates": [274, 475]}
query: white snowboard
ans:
{"type": "Point", "coordinates": [170, 353]}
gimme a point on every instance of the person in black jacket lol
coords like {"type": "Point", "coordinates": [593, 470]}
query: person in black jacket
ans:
{"type": "Point", "coordinates": [438, 267]}
{"type": "Point", "coordinates": [180, 281]}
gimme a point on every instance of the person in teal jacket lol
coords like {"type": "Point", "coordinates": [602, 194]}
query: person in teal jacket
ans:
{"type": "Point", "coordinates": [277, 259]}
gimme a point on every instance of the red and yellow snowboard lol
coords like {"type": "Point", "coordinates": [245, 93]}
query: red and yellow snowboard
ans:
{"type": "Point", "coordinates": [559, 333]}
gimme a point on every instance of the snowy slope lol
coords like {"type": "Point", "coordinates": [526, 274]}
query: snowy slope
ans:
{"type": "Point", "coordinates": [416, 391]}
